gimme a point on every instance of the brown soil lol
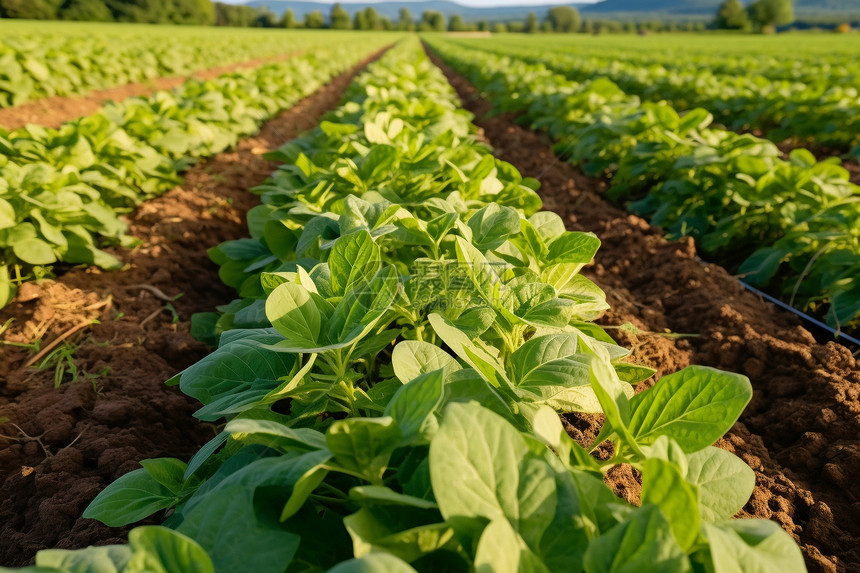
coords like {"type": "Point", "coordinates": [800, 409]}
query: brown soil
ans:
{"type": "Point", "coordinates": [801, 433]}
{"type": "Point", "coordinates": [54, 111]}
{"type": "Point", "coordinates": [63, 445]}
{"type": "Point", "coordinates": [854, 170]}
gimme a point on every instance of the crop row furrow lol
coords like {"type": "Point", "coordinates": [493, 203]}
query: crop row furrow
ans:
{"type": "Point", "coordinates": [54, 60]}
{"type": "Point", "coordinates": [790, 225]}
{"type": "Point", "coordinates": [63, 191]}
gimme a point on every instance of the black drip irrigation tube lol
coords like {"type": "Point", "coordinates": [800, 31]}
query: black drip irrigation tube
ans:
{"type": "Point", "coordinates": [822, 332]}
{"type": "Point", "coordinates": [835, 335]}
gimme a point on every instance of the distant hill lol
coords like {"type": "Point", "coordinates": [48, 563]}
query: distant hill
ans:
{"type": "Point", "coordinates": [391, 9]}
{"type": "Point", "coordinates": [624, 9]}
{"type": "Point", "coordinates": [685, 7]}
{"type": "Point", "coordinates": [709, 7]}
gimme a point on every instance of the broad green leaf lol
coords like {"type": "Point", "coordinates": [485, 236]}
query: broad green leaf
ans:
{"type": "Point", "coordinates": [294, 314]}
{"type": "Point", "coordinates": [354, 258]}
{"type": "Point", "coordinates": [550, 369]}
{"type": "Point", "coordinates": [414, 405]}
{"type": "Point", "coordinates": [480, 271]}
{"type": "Point", "coordinates": [305, 486]}
{"type": "Point", "coordinates": [477, 357]}
{"type": "Point", "coordinates": [108, 559]}
{"type": "Point", "coordinates": [502, 550]}
{"type": "Point", "coordinates": [694, 407]}
{"type": "Point", "coordinates": [412, 358]}
{"type": "Point", "coordinates": [751, 546]}
{"type": "Point", "coordinates": [247, 544]}
{"type": "Point", "coordinates": [475, 321]}
{"type": "Point", "coordinates": [130, 498]}
{"type": "Point", "coordinates": [611, 392]}
{"type": "Point", "coordinates": [373, 563]}
{"type": "Point", "coordinates": [381, 529]}
{"type": "Point", "coordinates": [161, 550]}
{"type": "Point", "coordinates": [34, 251]}
{"type": "Point", "coordinates": [665, 487]}
{"type": "Point", "coordinates": [365, 304]}
{"type": "Point", "coordinates": [7, 287]}
{"type": "Point", "coordinates": [240, 373]}
{"type": "Point", "coordinates": [725, 482]}
{"type": "Point", "coordinates": [548, 225]}
{"type": "Point", "coordinates": [7, 214]}
{"type": "Point", "coordinates": [492, 225]}
{"type": "Point", "coordinates": [633, 373]}
{"type": "Point", "coordinates": [759, 267]}
{"type": "Point", "coordinates": [169, 472]}
{"type": "Point", "coordinates": [573, 247]}
{"type": "Point", "coordinates": [483, 470]}
{"type": "Point", "coordinates": [276, 435]}
{"type": "Point", "coordinates": [563, 545]}
{"type": "Point", "coordinates": [364, 445]}
{"type": "Point", "coordinates": [643, 542]}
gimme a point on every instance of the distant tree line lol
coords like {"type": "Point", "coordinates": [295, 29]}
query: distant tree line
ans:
{"type": "Point", "coordinates": [559, 19]}
{"type": "Point", "coordinates": [760, 16]}
{"type": "Point", "coordinates": [200, 12]}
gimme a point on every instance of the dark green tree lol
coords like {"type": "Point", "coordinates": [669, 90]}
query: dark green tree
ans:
{"type": "Point", "coordinates": [234, 15]}
{"type": "Point", "coordinates": [769, 14]}
{"type": "Point", "coordinates": [314, 20]}
{"type": "Point", "coordinates": [483, 26]}
{"type": "Point", "coordinates": [432, 21]}
{"type": "Point", "coordinates": [266, 19]}
{"type": "Point", "coordinates": [339, 18]}
{"type": "Point", "coordinates": [732, 16]}
{"type": "Point", "coordinates": [288, 19]}
{"type": "Point", "coordinates": [532, 25]}
{"type": "Point", "coordinates": [371, 18]}
{"type": "Point", "coordinates": [405, 21]}
{"type": "Point", "coordinates": [28, 9]}
{"type": "Point", "coordinates": [564, 19]}
{"type": "Point", "coordinates": [85, 11]}
{"type": "Point", "coordinates": [360, 21]}
{"type": "Point", "coordinates": [191, 12]}
{"type": "Point", "coordinates": [456, 24]}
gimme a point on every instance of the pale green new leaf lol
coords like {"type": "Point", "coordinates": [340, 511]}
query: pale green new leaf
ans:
{"type": "Point", "coordinates": [694, 407]}
{"type": "Point", "coordinates": [725, 482]}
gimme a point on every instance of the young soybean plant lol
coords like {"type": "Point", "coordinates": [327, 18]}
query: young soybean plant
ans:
{"type": "Point", "coordinates": [411, 435]}
{"type": "Point", "coordinates": [440, 482]}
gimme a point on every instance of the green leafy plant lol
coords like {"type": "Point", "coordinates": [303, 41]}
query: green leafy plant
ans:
{"type": "Point", "coordinates": [788, 224]}
{"type": "Point", "coordinates": [63, 191]}
{"type": "Point", "coordinates": [384, 420]}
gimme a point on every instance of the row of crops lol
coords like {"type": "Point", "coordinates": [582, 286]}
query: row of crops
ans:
{"type": "Point", "coordinates": [63, 191]}
{"type": "Point", "coordinates": [789, 225]}
{"type": "Point", "coordinates": [817, 107]}
{"type": "Point", "coordinates": [806, 58]}
{"type": "Point", "coordinates": [59, 59]}
{"type": "Point", "coordinates": [410, 322]}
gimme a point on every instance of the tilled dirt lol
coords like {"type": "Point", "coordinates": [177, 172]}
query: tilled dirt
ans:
{"type": "Point", "coordinates": [61, 446]}
{"type": "Point", "coordinates": [801, 433]}
{"type": "Point", "coordinates": [54, 111]}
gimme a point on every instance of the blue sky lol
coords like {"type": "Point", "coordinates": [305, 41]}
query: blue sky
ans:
{"type": "Point", "coordinates": [464, 2]}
